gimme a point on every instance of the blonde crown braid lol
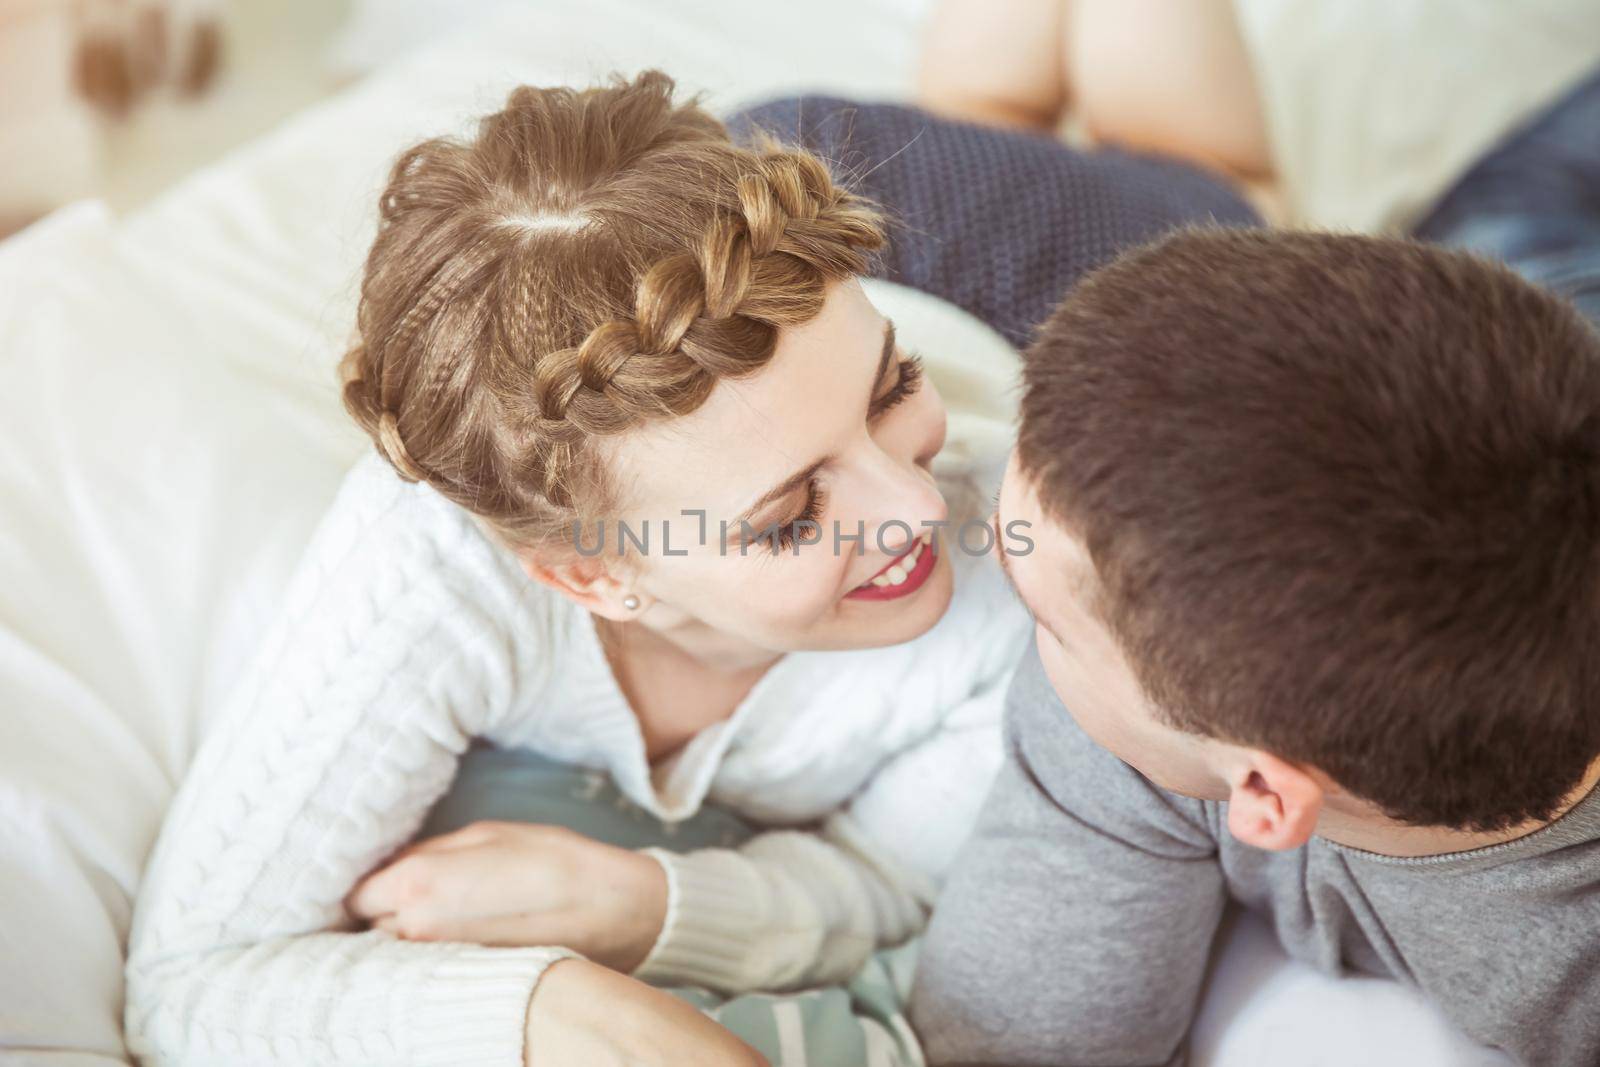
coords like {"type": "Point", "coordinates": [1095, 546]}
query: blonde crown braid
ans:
{"type": "Point", "coordinates": [710, 309]}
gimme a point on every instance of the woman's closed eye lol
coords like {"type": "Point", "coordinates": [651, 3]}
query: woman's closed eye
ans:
{"type": "Point", "coordinates": [908, 379]}
{"type": "Point", "coordinates": [809, 516]}
{"type": "Point", "coordinates": [907, 382]}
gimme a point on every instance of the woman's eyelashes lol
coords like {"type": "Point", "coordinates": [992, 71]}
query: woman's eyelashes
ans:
{"type": "Point", "coordinates": [908, 382]}
{"type": "Point", "coordinates": [809, 516]}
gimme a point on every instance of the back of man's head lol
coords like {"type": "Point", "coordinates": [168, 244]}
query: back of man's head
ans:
{"type": "Point", "coordinates": [1342, 496]}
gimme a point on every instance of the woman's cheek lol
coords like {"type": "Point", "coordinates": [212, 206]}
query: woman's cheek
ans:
{"type": "Point", "coordinates": [801, 589]}
{"type": "Point", "coordinates": [930, 405]}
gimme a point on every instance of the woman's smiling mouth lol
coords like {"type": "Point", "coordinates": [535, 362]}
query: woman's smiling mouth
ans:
{"type": "Point", "coordinates": [903, 576]}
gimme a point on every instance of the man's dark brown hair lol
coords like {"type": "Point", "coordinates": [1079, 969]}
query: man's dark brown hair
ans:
{"type": "Point", "coordinates": [1342, 495]}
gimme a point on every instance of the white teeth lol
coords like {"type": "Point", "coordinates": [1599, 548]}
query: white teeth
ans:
{"type": "Point", "coordinates": [897, 572]}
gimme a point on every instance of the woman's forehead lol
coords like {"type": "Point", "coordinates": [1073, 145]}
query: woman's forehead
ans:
{"type": "Point", "coordinates": [752, 433]}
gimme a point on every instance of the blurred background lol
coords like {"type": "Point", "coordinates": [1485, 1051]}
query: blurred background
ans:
{"type": "Point", "coordinates": [1356, 114]}
{"type": "Point", "coordinates": [118, 99]}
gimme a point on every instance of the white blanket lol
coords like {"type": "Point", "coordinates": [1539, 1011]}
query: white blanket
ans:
{"type": "Point", "coordinates": [170, 433]}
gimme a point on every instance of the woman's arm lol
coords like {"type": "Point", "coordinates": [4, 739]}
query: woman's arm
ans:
{"type": "Point", "coordinates": [584, 1014]}
{"type": "Point", "coordinates": [392, 651]}
{"type": "Point", "coordinates": [404, 634]}
{"type": "Point", "coordinates": [787, 909]}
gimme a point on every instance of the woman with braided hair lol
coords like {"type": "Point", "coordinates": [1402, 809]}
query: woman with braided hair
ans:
{"type": "Point", "coordinates": [650, 506]}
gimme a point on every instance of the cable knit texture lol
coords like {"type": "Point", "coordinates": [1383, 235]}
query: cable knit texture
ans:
{"type": "Point", "coordinates": [405, 633]}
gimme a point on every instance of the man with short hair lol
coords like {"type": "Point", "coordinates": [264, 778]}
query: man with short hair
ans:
{"type": "Point", "coordinates": [1317, 563]}
{"type": "Point", "coordinates": [1317, 583]}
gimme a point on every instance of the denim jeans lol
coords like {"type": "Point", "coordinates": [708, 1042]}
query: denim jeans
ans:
{"type": "Point", "coordinates": [1534, 201]}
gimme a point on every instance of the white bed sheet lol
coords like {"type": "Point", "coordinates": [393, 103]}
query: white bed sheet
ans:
{"type": "Point", "coordinates": [169, 435]}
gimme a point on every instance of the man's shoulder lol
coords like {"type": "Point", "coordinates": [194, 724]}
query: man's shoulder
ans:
{"type": "Point", "coordinates": [1086, 781]}
{"type": "Point", "coordinates": [1041, 730]}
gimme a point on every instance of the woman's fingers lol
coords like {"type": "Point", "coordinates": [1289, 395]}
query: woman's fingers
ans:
{"type": "Point", "coordinates": [381, 891]}
{"type": "Point", "coordinates": [494, 884]}
{"type": "Point", "coordinates": [364, 903]}
{"type": "Point", "coordinates": [388, 890]}
{"type": "Point", "coordinates": [424, 896]}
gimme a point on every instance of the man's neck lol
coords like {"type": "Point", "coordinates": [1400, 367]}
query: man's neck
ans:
{"type": "Point", "coordinates": [1375, 833]}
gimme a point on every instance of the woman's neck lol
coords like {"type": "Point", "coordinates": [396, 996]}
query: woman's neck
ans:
{"type": "Point", "coordinates": [680, 679]}
{"type": "Point", "coordinates": [694, 642]}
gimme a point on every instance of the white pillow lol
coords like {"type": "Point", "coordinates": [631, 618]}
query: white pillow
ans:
{"type": "Point", "coordinates": [379, 31]}
{"type": "Point", "coordinates": [154, 503]}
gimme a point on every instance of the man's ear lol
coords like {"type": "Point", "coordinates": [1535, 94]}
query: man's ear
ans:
{"type": "Point", "coordinates": [1273, 804]}
{"type": "Point", "coordinates": [586, 583]}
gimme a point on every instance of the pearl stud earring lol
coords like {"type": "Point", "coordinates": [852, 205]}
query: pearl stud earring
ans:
{"type": "Point", "coordinates": [630, 602]}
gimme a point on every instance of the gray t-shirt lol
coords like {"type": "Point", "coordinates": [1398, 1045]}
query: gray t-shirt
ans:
{"type": "Point", "coordinates": [1077, 924]}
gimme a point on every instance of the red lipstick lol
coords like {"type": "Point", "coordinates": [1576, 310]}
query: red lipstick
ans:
{"type": "Point", "coordinates": [912, 567]}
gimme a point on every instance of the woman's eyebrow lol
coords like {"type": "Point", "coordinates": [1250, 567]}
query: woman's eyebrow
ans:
{"type": "Point", "coordinates": [801, 477]}
{"type": "Point", "coordinates": [782, 489]}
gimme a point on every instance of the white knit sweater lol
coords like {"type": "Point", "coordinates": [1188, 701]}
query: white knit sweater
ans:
{"type": "Point", "coordinates": [407, 632]}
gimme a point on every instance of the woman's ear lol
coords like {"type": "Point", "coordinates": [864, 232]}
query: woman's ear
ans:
{"type": "Point", "coordinates": [1273, 804]}
{"type": "Point", "coordinates": [586, 583]}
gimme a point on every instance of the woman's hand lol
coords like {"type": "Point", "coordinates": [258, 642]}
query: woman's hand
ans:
{"type": "Point", "coordinates": [500, 883]}
{"type": "Point", "coordinates": [584, 1015]}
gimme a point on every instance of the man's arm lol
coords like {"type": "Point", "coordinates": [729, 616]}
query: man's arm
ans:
{"type": "Point", "coordinates": [1077, 924]}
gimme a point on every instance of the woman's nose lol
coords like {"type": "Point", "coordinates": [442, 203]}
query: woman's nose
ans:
{"type": "Point", "coordinates": [903, 502]}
